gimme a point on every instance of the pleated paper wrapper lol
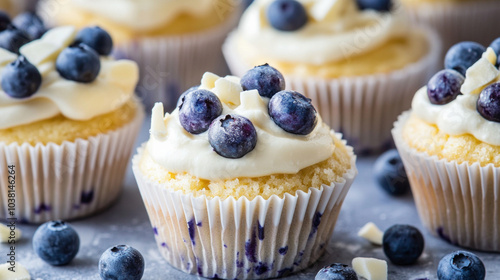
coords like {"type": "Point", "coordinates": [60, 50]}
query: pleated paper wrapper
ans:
{"type": "Point", "coordinates": [242, 239]}
{"type": "Point", "coordinates": [362, 108]}
{"type": "Point", "coordinates": [458, 202]}
{"type": "Point", "coordinates": [67, 181]}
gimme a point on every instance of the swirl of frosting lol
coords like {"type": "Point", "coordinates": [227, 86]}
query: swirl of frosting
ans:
{"type": "Point", "coordinates": [113, 87]}
{"type": "Point", "coordinates": [144, 14]}
{"type": "Point", "coordinates": [336, 30]}
{"type": "Point", "coordinates": [276, 152]}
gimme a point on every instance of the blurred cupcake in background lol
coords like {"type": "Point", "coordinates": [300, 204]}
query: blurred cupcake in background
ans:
{"type": "Point", "coordinates": [457, 20]}
{"type": "Point", "coordinates": [359, 62]}
{"type": "Point", "coordinates": [173, 41]}
{"type": "Point", "coordinates": [14, 7]}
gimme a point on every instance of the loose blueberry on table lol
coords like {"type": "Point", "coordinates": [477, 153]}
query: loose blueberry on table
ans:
{"type": "Point", "coordinates": [20, 79]}
{"type": "Point", "coordinates": [96, 38]}
{"type": "Point", "coordinates": [12, 39]}
{"type": "Point", "coordinates": [286, 15]}
{"type": "Point", "coordinates": [378, 5]}
{"type": "Point", "coordinates": [30, 23]}
{"type": "Point", "coordinates": [403, 244]}
{"type": "Point", "coordinates": [79, 63]}
{"type": "Point", "coordinates": [56, 242]}
{"type": "Point", "coordinates": [198, 109]}
{"type": "Point", "coordinates": [488, 103]}
{"type": "Point", "coordinates": [463, 55]}
{"type": "Point", "coordinates": [121, 262]}
{"type": "Point", "coordinates": [336, 271]}
{"type": "Point", "coordinates": [444, 86]}
{"type": "Point", "coordinates": [232, 136]}
{"type": "Point", "coordinates": [461, 265]}
{"type": "Point", "coordinates": [265, 79]}
{"type": "Point", "coordinates": [293, 112]}
{"type": "Point", "coordinates": [390, 173]}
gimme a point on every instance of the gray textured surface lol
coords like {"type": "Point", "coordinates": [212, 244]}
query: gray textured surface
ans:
{"type": "Point", "coordinates": [126, 222]}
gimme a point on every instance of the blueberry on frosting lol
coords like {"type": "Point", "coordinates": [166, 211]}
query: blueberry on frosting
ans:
{"type": "Point", "coordinates": [378, 5]}
{"type": "Point", "coordinates": [21, 79]}
{"type": "Point", "coordinates": [463, 55]}
{"type": "Point", "coordinates": [286, 15]}
{"type": "Point", "coordinates": [444, 86]}
{"type": "Point", "coordinates": [198, 109]}
{"type": "Point", "coordinates": [96, 38]}
{"type": "Point", "coordinates": [30, 23]}
{"type": "Point", "coordinates": [488, 103]}
{"type": "Point", "coordinates": [232, 136]}
{"type": "Point", "coordinates": [265, 79]}
{"type": "Point", "coordinates": [495, 45]}
{"type": "Point", "coordinates": [293, 112]}
{"type": "Point", "coordinates": [79, 63]}
{"type": "Point", "coordinates": [4, 20]}
{"type": "Point", "coordinates": [12, 39]}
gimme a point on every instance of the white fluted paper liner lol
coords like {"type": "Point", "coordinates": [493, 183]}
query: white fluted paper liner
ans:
{"type": "Point", "coordinates": [458, 202]}
{"type": "Point", "coordinates": [70, 180]}
{"type": "Point", "coordinates": [242, 239]}
{"type": "Point", "coordinates": [459, 21]}
{"type": "Point", "coordinates": [362, 108]}
{"type": "Point", "coordinates": [171, 64]}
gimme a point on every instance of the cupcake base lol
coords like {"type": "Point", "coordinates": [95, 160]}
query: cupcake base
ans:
{"type": "Point", "coordinates": [257, 239]}
{"type": "Point", "coordinates": [458, 202]}
{"type": "Point", "coordinates": [67, 181]}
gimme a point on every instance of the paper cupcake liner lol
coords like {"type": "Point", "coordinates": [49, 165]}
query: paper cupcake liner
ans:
{"type": "Point", "coordinates": [66, 181]}
{"type": "Point", "coordinates": [457, 202]}
{"type": "Point", "coordinates": [242, 239]}
{"type": "Point", "coordinates": [171, 64]}
{"type": "Point", "coordinates": [460, 21]}
{"type": "Point", "coordinates": [362, 108]}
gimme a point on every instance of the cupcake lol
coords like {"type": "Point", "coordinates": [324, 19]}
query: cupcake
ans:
{"type": "Point", "coordinates": [69, 120]}
{"type": "Point", "coordinates": [243, 184]}
{"type": "Point", "coordinates": [456, 20]}
{"type": "Point", "coordinates": [360, 66]}
{"type": "Point", "coordinates": [450, 146]}
{"type": "Point", "coordinates": [173, 41]}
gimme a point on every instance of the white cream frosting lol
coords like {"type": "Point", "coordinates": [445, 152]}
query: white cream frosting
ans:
{"type": "Point", "coordinates": [336, 30]}
{"type": "Point", "coordinates": [143, 15]}
{"type": "Point", "coordinates": [78, 101]}
{"type": "Point", "coordinates": [276, 151]}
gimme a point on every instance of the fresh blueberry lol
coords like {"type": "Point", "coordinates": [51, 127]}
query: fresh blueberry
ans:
{"type": "Point", "coordinates": [79, 63]}
{"type": "Point", "coordinates": [336, 271]}
{"type": "Point", "coordinates": [4, 20]}
{"type": "Point", "coordinates": [181, 98]}
{"type": "Point", "coordinates": [96, 38]}
{"type": "Point", "coordinates": [495, 45]}
{"type": "Point", "coordinates": [232, 136]}
{"type": "Point", "coordinates": [461, 265]}
{"type": "Point", "coordinates": [56, 242]}
{"type": "Point", "coordinates": [463, 55]}
{"type": "Point", "coordinates": [378, 5]}
{"type": "Point", "coordinates": [293, 112]}
{"type": "Point", "coordinates": [403, 244]}
{"type": "Point", "coordinates": [488, 103]}
{"type": "Point", "coordinates": [265, 79]}
{"type": "Point", "coordinates": [390, 173]}
{"type": "Point", "coordinates": [20, 79]}
{"type": "Point", "coordinates": [12, 39]}
{"type": "Point", "coordinates": [121, 262]}
{"type": "Point", "coordinates": [444, 86]}
{"type": "Point", "coordinates": [30, 23]}
{"type": "Point", "coordinates": [286, 15]}
{"type": "Point", "coordinates": [198, 109]}
{"type": "Point", "coordinates": [247, 3]}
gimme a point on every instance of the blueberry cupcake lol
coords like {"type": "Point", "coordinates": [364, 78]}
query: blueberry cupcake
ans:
{"type": "Point", "coordinates": [243, 183]}
{"type": "Point", "coordinates": [174, 41]}
{"type": "Point", "coordinates": [360, 64]}
{"type": "Point", "coordinates": [450, 146]}
{"type": "Point", "coordinates": [457, 20]}
{"type": "Point", "coordinates": [69, 123]}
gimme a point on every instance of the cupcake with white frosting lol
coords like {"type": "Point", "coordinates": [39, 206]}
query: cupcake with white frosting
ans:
{"type": "Point", "coordinates": [243, 184]}
{"type": "Point", "coordinates": [174, 41]}
{"type": "Point", "coordinates": [360, 66]}
{"type": "Point", "coordinates": [450, 146]}
{"type": "Point", "coordinates": [69, 123]}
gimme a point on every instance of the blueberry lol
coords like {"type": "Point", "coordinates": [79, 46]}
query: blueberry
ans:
{"type": "Point", "coordinates": [96, 38]}
{"type": "Point", "coordinates": [247, 3]}
{"type": "Point", "coordinates": [378, 5]}
{"type": "Point", "coordinates": [181, 98]}
{"type": "Point", "coordinates": [56, 242]}
{"type": "Point", "coordinates": [121, 262]}
{"type": "Point", "coordinates": [390, 173]}
{"type": "Point", "coordinates": [21, 79]}
{"type": "Point", "coordinates": [463, 55]}
{"type": "Point", "coordinates": [30, 23]}
{"type": "Point", "coordinates": [4, 20]}
{"type": "Point", "coordinates": [403, 244]}
{"type": "Point", "coordinates": [488, 103]}
{"type": "Point", "coordinates": [265, 79]}
{"type": "Point", "coordinates": [495, 45]}
{"type": "Point", "coordinates": [461, 265]}
{"type": "Point", "coordinates": [198, 109]}
{"type": "Point", "coordinates": [336, 271]}
{"type": "Point", "coordinates": [79, 63]}
{"type": "Point", "coordinates": [444, 86]}
{"type": "Point", "coordinates": [286, 15]}
{"type": "Point", "coordinates": [232, 136]}
{"type": "Point", "coordinates": [293, 112]}
{"type": "Point", "coordinates": [12, 39]}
